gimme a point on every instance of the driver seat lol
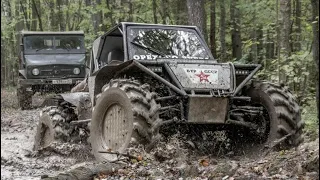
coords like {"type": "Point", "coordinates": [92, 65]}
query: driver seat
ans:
{"type": "Point", "coordinates": [115, 56]}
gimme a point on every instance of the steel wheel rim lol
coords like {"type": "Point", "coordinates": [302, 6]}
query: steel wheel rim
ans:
{"type": "Point", "coordinates": [114, 127]}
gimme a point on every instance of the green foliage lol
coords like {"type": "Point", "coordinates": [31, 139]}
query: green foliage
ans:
{"type": "Point", "coordinates": [309, 115]}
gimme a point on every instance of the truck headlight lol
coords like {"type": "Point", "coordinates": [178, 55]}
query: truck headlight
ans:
{"type": "Point", "coordinates": [76, 71]}
{"type": "Point", "coordinates": [35, 71]}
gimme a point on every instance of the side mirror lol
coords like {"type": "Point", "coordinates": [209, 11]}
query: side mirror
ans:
{"type": "Point", "coordinates": [21, 46]}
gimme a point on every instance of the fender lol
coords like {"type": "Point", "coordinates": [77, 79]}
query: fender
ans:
{"type": "Point", "coordinates": [99, 78]}
{"type": "Point", "coordinates": [81, 100]}
{"type": "Point", "coordinates": [23, 73]}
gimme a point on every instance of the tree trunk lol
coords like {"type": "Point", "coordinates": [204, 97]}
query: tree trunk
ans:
{"type": "Point", "coordinates": [53, 23]}
{"type": "Point", "coordinates": [196, 15]}
{"type": "Point", "coordinates": [260, 43]}
{"type": "Point", "coordinates": [34, 17]}
{"type": "Point", "coordinates": [121, 11]}
{"type": "Point", "coordinates": [25, 15]}
{"type": "Point", "coordinates": [87, 171]}
{"type": "Point", "coordinates": [5, 11]}
{"type": "Point", "coordinates": [68, 18]}
{"type": "Point", "coordinates": [88, 2]}
{"type": "Point", "coordinates": [315, 45]}
{"type": "Point", "coordinates": [154, 10]}
{"type": "Point", "coordinates": [297, 44]}
{"type": "Point", "coordinates": [76, 26]}
{"type": "Point", "coordinates": [16, 46]}
{"type": "Point", "coordinates": [60, 15]}
{"type": "Point", "coordinates": [213, 28]}
{"type": "Point", "coordinates": [165, 12]}
{"type": "Point", "coordinates": [130, 11]}
{"type": "Point", "coordinates": [110, 13]}
{"type": "Point", "coordinates": [37, 11]}
{"type": "Point", "coordinates": [253, 55]}
{"type": "Point", "coordinates": [3, 59]}
{"type": "Point", "coordinates": [285, 13]}
{"type": "Point", "coordinates": [181, 15]}
{"type": "Point", "coordinates": [278, 41]}
{"type": "Point", "coordinates": [236, 30]}
{"type": "Point", "coordinates": [222, 24]}
{"type": "Point", "coordinates": [98, 17]}
{"type": "Point", "coordinates": [270, 44]}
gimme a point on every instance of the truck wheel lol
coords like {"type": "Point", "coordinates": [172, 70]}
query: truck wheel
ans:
{"type": "Point", "coordinates": [24, 98]}
{"type": "Point", "coordinates": [281, 111]}
{"type": "Point", "coordinates": [126, 114]}
{"type": "Point", "coordinates": [54, 126]}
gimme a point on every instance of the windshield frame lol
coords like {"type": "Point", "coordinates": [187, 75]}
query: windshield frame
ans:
{"type": "Point", "coordinates": [82, 49]}
{"type": "Point", "coordinates": [195, 30]}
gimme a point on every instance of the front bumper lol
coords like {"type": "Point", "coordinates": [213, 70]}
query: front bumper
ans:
{"type": "Point", "coordinates": [70, 81]}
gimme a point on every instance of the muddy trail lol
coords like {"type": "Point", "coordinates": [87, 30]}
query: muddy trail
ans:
{"type": "Point", "coordinates": [175, 158]}
{"type": "Point", "coordinates": [17, 137]}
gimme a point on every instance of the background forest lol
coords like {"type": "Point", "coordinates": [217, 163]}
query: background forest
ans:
{"type": "Point", "coordinates": [282, 35]}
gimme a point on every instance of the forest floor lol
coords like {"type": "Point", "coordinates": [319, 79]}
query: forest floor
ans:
{"type": "Point", "coordinates": [169, 160]}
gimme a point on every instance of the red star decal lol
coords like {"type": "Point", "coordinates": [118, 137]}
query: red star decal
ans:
{"type": "Point", "coordinates": [203, 76]}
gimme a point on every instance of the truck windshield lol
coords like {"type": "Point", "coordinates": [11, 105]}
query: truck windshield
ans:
{"type": "Point", "coordinates": [151, 43]}
{"type": "Point", "coordinates": [52, 43]}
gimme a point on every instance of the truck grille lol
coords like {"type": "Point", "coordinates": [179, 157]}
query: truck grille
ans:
{"type": "Point", "coordinates": [61, 71]}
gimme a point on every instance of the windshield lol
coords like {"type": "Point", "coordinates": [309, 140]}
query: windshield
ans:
{"type": "Point", "coordinates": [51, 43]}
{"type": "Point", "coordinates": [150, 43]}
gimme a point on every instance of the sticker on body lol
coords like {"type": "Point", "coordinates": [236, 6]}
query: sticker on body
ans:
{"type": "Point", "coordinates": [209, 76]}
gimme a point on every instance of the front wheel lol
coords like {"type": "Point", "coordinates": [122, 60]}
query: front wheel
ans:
{"type": "Point", "coordinates": [281, 114]}
{"type": "Point", "coordinates": [126, 114]}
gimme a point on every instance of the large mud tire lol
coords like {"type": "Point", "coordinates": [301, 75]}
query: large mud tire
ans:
{"type": "Point", "coordinates": [54, 127]}
{"type": "Point", "coordinates": [283, 111]}
{"type": "Point", "coordinates": [126, 114]}
{"type": "Point", "coordinates": [24, 98]}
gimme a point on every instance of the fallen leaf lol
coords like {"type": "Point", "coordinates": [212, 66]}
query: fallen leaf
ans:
{"type": "Point", "coordinates": [139, 158]}
{"type": "Point", "coordinates": [204, 162]}
{"type": "Point", "coordinates": [257, 170]}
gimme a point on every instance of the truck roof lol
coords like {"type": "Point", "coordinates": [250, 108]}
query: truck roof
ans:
{"type": "Point", "coordinates": [150, 24]}
{"type": "Point", "coordinates": [121, 24]}
{"type": "Point", "coordinates": [52, 33]}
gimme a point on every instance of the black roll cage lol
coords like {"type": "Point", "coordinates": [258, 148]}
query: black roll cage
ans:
{"type": "Point", "coordinates": [106, 73]}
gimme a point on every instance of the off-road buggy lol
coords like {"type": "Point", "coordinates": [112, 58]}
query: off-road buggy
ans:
{"type": "Point", "coordinates": [49, 62]}
{"type": "Point", "coordinates": [144, 76]}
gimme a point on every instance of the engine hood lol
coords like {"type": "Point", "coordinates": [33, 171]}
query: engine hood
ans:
{"type": "Point", "coordinates": [45, 59]}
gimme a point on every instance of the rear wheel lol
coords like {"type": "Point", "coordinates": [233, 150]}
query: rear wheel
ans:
{"type": "Point", "coordinates": [54, 127]}
{"type": "Point", "coordinates": [126, 114]}
{"type": "Point", "coordinates": [281, 113]}
{"type": "Point", "coordinates": [24, 98]}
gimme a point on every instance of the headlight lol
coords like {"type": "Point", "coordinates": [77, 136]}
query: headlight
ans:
{"type": "Point", "coordinates": [35, 71]}
{"type": "Point", "coordinates": [76, 71]}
